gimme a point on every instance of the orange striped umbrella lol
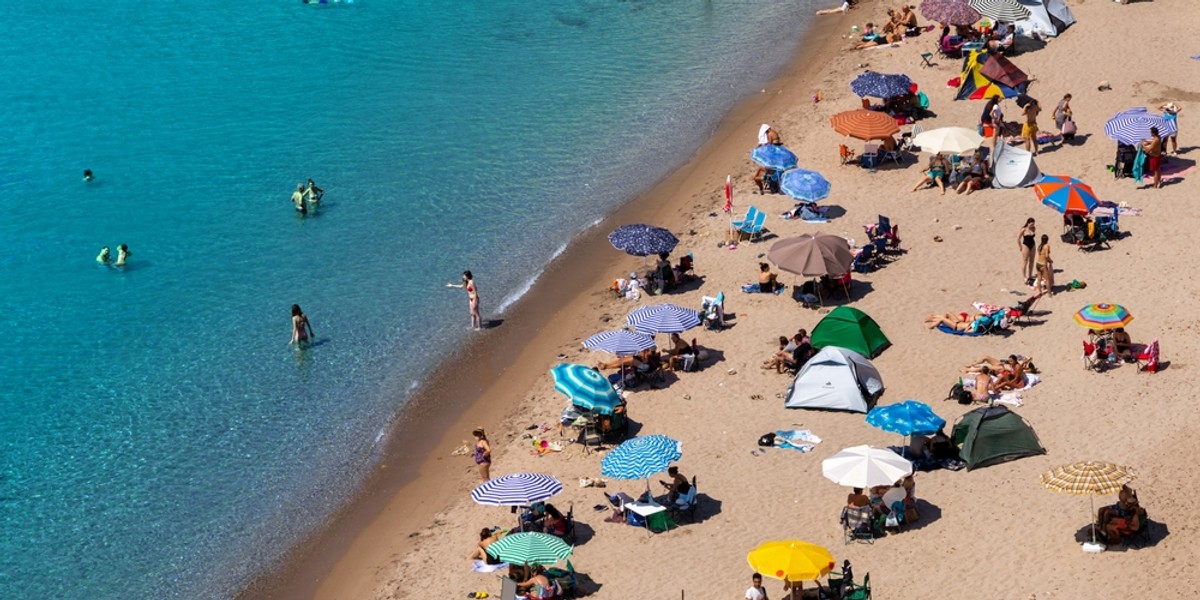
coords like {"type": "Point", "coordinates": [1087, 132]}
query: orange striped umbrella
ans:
{"type": "Point", "coordinates": [865, 124]}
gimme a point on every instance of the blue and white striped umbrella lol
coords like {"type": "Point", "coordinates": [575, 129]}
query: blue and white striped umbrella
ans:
{"type": "Point", "coordinates": [663, 318]}
{"type": "Point", "coordinates": [621, 342]}
{"type": "Point", "coordinates": [907, 418]}
{"type": "Point", "coordinates": [881, 85]}
{"type": "Point", "coordinates": [642, 240]}
{"type": "Point", "coordinates": [804, 185]}
{"type": "Point", "coordinates": [774, 156]}
{"type": "Point", "coordinates": [586, 387]}
{"type": "Point", "coordinates": [517, 489]}
{"type": "Point", "coordinates": [641, 457]}
{"type": "Point", "coordinates": [1133, 126]}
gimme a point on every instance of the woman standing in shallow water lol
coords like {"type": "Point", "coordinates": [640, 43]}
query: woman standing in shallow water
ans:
{"type": "Point", "coordinates": [301, 329]}
{"type": "Point", "coordinates": [483, 453]}
{"type": "Point", "coordinates": [468, 283]}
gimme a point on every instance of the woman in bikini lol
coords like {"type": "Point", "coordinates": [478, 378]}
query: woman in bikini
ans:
{"type": "Point", "coordinates": [483, 453]}
{"type": "Point", "coordinates": [468, 283]}
{"type": "Point", "coordinates": [1045, 267]}
{"type": "Point", "coordinates": [301, 329]}
{"type": "Point", "coordinates": [1025, 240]}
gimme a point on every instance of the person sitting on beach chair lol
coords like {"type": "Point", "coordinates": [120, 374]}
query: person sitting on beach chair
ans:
{"type": "Point", "coordinates": [977, 175]}
{"type": "Point", "coordinates": [713, 310]}
{"type": "Point", "coordinates": [1122, 344]}
{"type": "Point", "coordinates": [1122, 519]}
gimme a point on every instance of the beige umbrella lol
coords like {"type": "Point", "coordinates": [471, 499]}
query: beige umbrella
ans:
{"type": "Point", "coordinates": [813, 255]}
{"type": "Point", "coordinates": [1091, 478]}
{"type": "Point", "coordinates": [948, 140]}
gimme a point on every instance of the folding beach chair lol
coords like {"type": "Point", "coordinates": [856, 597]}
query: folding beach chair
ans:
{"type": "Point", "coordinates": [926, 59]}
{"type": "Point", "coordinates": [755, 227]}
{"type": "Point", "coordinates": [857, 524]}
{"type": "Point", "coordinates": [846, 154]}
{"type": "Point", "coordinates": [1147, 359]}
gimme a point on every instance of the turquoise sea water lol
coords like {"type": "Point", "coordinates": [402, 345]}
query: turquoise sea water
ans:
{"type": "Point", "coordinates": [157, 437]}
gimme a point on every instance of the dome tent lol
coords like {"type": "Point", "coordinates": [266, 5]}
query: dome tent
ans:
{"type": "Point", "coordinates": [835, 379]}
{"type": "Point", "coordinates": [994, 434]}
{"type": "Point", "coordinates": [848, 327]}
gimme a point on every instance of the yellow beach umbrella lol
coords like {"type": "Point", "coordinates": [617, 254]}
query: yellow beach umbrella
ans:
{"type": "Point", "coordinates": [1091, 478]}
{"type": "Point", "coordinates": [791, 560]}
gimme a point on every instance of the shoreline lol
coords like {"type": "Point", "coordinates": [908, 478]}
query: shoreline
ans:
{"type": "Point", "coordinates": [335, 560]}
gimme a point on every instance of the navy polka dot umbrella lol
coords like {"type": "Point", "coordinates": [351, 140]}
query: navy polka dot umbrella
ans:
{"type": "Point", "coordinates": [642, 240]}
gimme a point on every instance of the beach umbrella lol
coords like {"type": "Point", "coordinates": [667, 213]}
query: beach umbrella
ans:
{"type": "Point", "coordinates": [791, 560]}
{"type": "Point", "coordinates": [641, 457]}
{"type": "Point", "coordinates": [529, 549]}
{"type": "Point", "coordinates": [864, 124]}
{"type": "Point", "coordinates": [586, 387]}
{"type": "Point", "coordinates": [1091, 478]}
{"type": "Point", "coordinates": [663, 318]}
{"type": "Point", "coordinates": [950, 12]}
{"type": "Point", "coordinates": [1009, 11]}
{"type": "Point", "coordinates": [907, 418]}
{"type": "Point", "coordinates": [621, 342]}
{"type": "Point", "coordinates": [812, 255]}
{"type": "Point", "coordinates": [517, 489]}
{"type": "Point", "coordinates": [865, 467]}
{"type": "Point", "coordinates": [774, 156]}
{"type": "Point", "coordinates": [1067, 195]}
{"type": "Point", "coordinates": [1133, 126]}
{"type": "Point", "coordinates": [948, 140]}
{"type": "Point", "coordinates": [801, 184]}
{"type": "Point", "coordinates": [881, 85]}
{"type": "Point", "coordinates": [1103, 316]}
{"type": "Point", "coordinates": [642, 240]}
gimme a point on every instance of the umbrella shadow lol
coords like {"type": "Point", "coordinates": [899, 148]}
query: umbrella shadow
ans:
{"type": "Point", "coordinates": [691, 284]}
{"type": "Point", "coordinates": [1079, 139]}
{"type": "Point", "coordinates": [1156, 531]}
{"type": "Point", "coordinates": [585, 585]}
{"type": "Point", "coordinates": [583, 532]}
{"type": "Point", "coordinates": [706, 506]}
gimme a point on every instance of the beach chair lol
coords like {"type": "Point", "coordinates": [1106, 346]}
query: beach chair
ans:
{"type": "Point", "coordinates": [845, 281]}
{"type": "Point", "coordinates": [751, 214]}
{"type": "Point", "coordinates": [1147, 359]}
{"type": "Point", "coordinates": [712, 310]}
{"type": "Point", "coordinates": [865, 261]}
{"type": "Point", "coordinates": [846, 154]}
{"type": "Point", "coordinates": [857, 525]}
{"type": "Point", "coordinates": [566, 579]}
{"type": "Point", "coordinates": [771, 181]}
{"type": "Point", "coordinates": [1095, 356]}
{"type": "Point", "coordinates": [906, 140]}
{"type": "Point", "coordinates": [685, 505]}
{"type": "Point", "coordinates": [1023, 309]}
{"type": "Point", "coordinates": [754, 228]}
{"type": "Point", "coordinates": [859, 592]}
{"type": "Point", "coordinates": [926, 59]}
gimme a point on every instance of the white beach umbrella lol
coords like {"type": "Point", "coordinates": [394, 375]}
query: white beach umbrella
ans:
{"type": "Point", "coordinates": [865, 467]}
{"type": "Point", "coordinates": [948, 140]}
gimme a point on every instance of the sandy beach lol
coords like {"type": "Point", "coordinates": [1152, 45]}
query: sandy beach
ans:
{"type": "Point", "coordinates": [988, 533]}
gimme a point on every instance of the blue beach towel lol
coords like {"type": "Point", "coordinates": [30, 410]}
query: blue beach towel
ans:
{"type": "Point", "coordinates": [1139, 165]}
{"type": "Point", "coordinates": [947, 329]}
{"type": "Point", "coordinates": [801, 440]}
{"type": "Point", "coordinates": [752, 288]}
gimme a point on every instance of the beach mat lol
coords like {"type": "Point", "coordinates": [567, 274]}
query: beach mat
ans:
{"type": "Point", "coordinates": [946, 329]}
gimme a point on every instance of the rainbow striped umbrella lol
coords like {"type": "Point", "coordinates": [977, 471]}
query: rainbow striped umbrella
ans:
{"type": "Point", "coordinates": [1067, 195]}
{"type": "Point", "coordinates": [1103, 316]}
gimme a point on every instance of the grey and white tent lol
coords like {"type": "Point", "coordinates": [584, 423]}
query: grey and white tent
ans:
{"type": "Point", "coordinates": [1013, 167]}
{"type": "Point", "coordinates": [1047, 18]}
{"type": "Point", "coordinates": [835, 379]}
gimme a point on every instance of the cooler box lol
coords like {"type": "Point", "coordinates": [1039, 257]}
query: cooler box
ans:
{"type": "Point", "coordinates": [869, 161]}
{"type": "Point", "coordinates": [988, 130]}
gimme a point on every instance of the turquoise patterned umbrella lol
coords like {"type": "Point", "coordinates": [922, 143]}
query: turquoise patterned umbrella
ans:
{"type": "Point", "coordinates": [641, 457]}
{"type": "Point", "coordinates": [586, 387]}
{"type": "Point", "coordinates": [529, 549]}
{"type": "Point", "coordinates": [907, 418]}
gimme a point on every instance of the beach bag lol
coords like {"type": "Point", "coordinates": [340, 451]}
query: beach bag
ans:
{"type": "Point", "coordinates": [910, 514]}
{"type": "Point", "coordinates": [959, 394]}
{"type": "Point", "coordinates": [767, 440]}
{"type": "Point", "coordinates": [1068, 129]}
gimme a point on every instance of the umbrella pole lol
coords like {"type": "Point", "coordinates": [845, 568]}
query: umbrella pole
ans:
{"type": "Point", "coordinates": [1092, 516]}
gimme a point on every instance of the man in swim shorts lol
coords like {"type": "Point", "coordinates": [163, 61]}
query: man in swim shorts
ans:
{"type": "Point", "coordinates": [1029, 130]}
{"type": "Point", "coordinates": [1153, 148]}
{"type": "Point", "coordinates": [298, 199]}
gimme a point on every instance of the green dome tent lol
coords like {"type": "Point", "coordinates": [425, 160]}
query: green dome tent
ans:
{"type": "Point", "coordinates": [994, 434]}
{"type": "Point", "coordinates": [848, 327]}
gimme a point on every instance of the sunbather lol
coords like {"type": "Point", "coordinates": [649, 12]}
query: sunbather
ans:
{"type": "Point", "coordinates": [778, 361]}
{"type": "Point", "coordinates": [487, 535]}
{"type": "Point", "coordinates": [857, 499]}
{"type": "Point", "coordinates": [767, 281]}
{"type": "Point", "coordinates": [955, 321]}
{"type": "Point", "coordinates": [977, 175]}
{"type": "Point", "coordinates": [1012, 377]}
{"type": "Point", "coordinates": [1123, 344]}
{"type": "Point", "coordinates": [996, 364]}
{"type": "Point", "coordinates": [621, 361]}
{"type": "Point", "coordinates": [983, 383]}
{"type": "Point", "coordinates": [935, 174]}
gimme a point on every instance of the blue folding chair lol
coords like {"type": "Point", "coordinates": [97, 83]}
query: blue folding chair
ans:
{"type": "Point", "coordinates": [755, 227]}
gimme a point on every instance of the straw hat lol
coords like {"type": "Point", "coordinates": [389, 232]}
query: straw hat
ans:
{"type": "Point", "coordinates": [1170, 107]}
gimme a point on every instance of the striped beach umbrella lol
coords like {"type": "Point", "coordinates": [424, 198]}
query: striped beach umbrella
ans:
{"type": "Point", "coordinates": [642, 240]}
{"type": "Point", "coordinates": [517, 489]}
{"type": "Point", "coordinates": [1133, 126]}
{"type": "Point", "coordinates": [864, 124]}
{"type": "Point", "coordinates": [881, 85]}
{"type": "Point", "coordinates": [791, 560]}
{"type": "Point", "coordinates": [586, 387]}
{"type": "Point", "coordinates": [663, 318]}
{"type": "Point", "coordinates": [529, 549]}
{"type": "Point", "coordinates": [950, 12]}
{"type": "Point", "coordinates": [1103, 316]}
{"type": "Point", "coordinates": [1091, 478]}
{"type": "Point", "coordinates": [641, 457]}
{"type": "Point", "coordinates": [774, 156]}
{"type": "Point", "coordinates": [621, 342]}
{"type": "Point", "coordinates": [1067, 195]}
{"type": "Point", "coordinates": [1008, 11]}
{"type": "Point", "coordinates": [802, 184]}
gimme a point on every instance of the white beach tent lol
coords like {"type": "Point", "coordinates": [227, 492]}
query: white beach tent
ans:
{"type": "Point", "coordinates": [835, 379]}
{"type": "Point", "coordinates": [1013, 167]}
{"type": "Point", "coordinates": [1047, 18]}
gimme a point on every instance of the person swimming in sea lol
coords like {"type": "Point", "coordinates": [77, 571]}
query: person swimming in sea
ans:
{"type": "Point", "coordinates": [313, 193]}
{"type": "Point", "coordinates": [298, 199]}
{"type": "Point", "coordinates": [103, 257]}
{"type": "Point", "coordinates": [87, 174]}
{"type": "Point", "coordinates": [123, 254]}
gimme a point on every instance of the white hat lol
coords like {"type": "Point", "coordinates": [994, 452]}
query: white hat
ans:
{"type": "Point", "coordinates": [1170, 107]}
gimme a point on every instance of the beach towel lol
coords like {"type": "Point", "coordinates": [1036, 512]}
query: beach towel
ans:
{"type": "Point", "coordinates": [1139, 163]}
{"type": "Point", "coordinates": [802, 440]}
{"type": "Point", "coordinates": [947, 329]}
{"type": "Point", "coordinates": [752, 288]}
{"type": "Point", "coordinates": [986, 308]}
{"type": "Point", "coordinates": [1174, 170]}
{"type": "Point", "coordinates": [483, 567]}
{"type": "Point", "coordinates": [762, 134]}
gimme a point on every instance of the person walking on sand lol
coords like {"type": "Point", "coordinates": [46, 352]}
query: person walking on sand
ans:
{"type": "Point", "coordinates": [302, 330]}
{"type": "Point", "coordinates": [123, 255]}
{"type": "Point", "coordinates": [468, 283]}
{"type": "Point", "coordinates": [1045, 268]}
{"type": "Point", "coordinates": [1153, 148]}
{"type": "Point", "coordinates": [1025, 241]}
{"type": "Point", "coordinates": [1062, 114]}
{"type": "Point", "coordinates": [1029, 130]}
{"type": "Point", "coordinates": [298, 199]}
{"type": "Point", "coordinates": [483, 453]}
{"type": "Point", "coordinates": [1171, 113]}
{"type": "Point", "coordinates": [997, 115]}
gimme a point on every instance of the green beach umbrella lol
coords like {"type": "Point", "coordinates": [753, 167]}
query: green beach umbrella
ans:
{"type": "Point", "coordinates": [529, 549]}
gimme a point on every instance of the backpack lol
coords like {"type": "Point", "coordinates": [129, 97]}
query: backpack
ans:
{"type": "Point", "coordinates": [959, 394]}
